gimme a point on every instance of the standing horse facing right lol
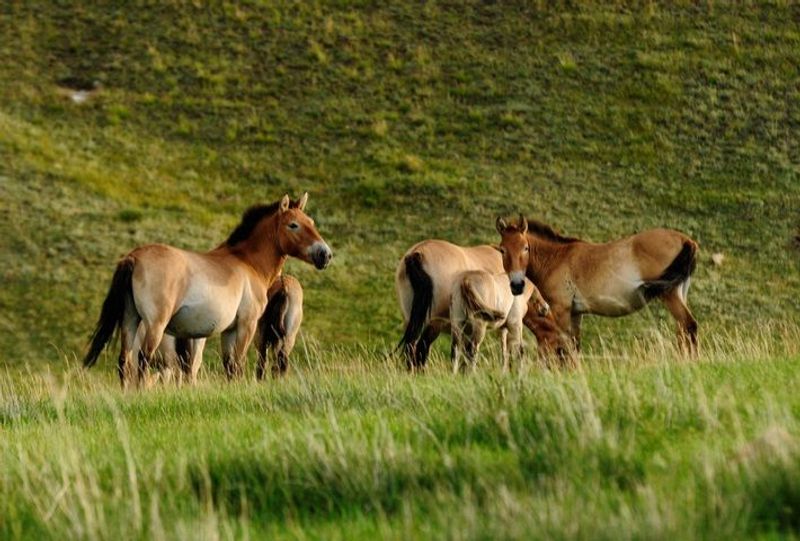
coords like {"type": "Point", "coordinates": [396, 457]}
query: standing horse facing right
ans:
{"type": "Point", "coordinates": [192, 295]}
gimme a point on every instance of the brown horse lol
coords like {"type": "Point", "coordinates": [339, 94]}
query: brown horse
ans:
{"type": "Point", "coordinates": [279, 325]}
{"type": "Point", "coordinates": [192, 295]}
{"type": "Point", "coordinates": [609, 279]}
{"type": "Point", "coordinates": [482, 300]}
{"type": "Point", "coordinates": [424, 280]}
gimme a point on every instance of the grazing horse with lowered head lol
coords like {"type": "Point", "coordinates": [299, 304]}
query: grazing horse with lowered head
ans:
{"type": "Point", "coordinates": [279, 325]}
{"type": "Point", "coordinates": [424, 280]}
{"type": "Point", "coordinates": [192, 295]}
{"type": "Point", "coordinates": [483, 300]}
{"type": "Point", "coordinates": [609, 279]}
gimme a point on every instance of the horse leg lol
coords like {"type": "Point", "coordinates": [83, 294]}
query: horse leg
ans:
{"type": "Point", "coordinates": [198, 345]}
{"type": "Point", "coordinates": [516, 344]}
{"type": "Point", "coordinates": [504, 348]}
{"type": "Point", "coordinates": [423, 346]}
{"type": "Point", "coordinates": [687, 325]}
{"type": "Point", "coordinates": [261, 351]}
{"type": "Point", "coordinates": [189, 352]}
{"type": "Point", "coordinates": [128, 334]}
{"type": "Point", "coordinates": [456, 339]}
{"type": "Point", "coordinates": [153, 334]}
{"type": "Point", "coordinates": [575, 325]}
{"type": "Point", "coordinates": [234, 347]}
{"type": "Point", "coordinates": [281, 363]}
{"type": "Point", "coordinates": [474, 342]}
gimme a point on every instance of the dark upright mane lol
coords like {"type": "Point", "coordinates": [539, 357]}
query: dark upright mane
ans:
{"type": "Point", "coordinates": [250, 220]}
{"type": "Point", "coordinates": [545, 231]}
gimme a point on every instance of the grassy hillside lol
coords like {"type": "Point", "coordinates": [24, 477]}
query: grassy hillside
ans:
{"type": "Point", "coordinates": [404, 122]}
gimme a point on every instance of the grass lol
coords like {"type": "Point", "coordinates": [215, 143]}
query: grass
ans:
{"type": "Point", "coordinates": [404, 121]}
{"type": "Point", "coordinates": [633, 445]}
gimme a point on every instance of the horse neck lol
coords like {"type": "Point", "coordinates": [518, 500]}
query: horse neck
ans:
{"type": "Point", "coordinates": [545, 255]}
{"type": "Point", "coordinates": [262, 252]}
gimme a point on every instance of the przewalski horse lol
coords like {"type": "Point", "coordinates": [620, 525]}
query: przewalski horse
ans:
{"type": "Point", "coordinates": [424, 281]}
{"type": "Point", "coordinates": [482, 300]}
{"type": "Point", "coordinates": [609, 279]}
{"type": "Point", "coordinates": [193, 295]}
{"type": "Point", "coordinates": [277, 331]}
{"type": "Point", "coordinates": [279, 325]}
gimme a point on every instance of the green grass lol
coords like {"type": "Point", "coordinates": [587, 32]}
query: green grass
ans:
{"type": "Point", "coordinates": [634, 445]}
{"type": "Point", "coordinates": [404, 121]}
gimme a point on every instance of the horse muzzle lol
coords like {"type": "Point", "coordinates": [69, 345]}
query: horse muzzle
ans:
{"type": "Point", "coordinates": [321, 254]}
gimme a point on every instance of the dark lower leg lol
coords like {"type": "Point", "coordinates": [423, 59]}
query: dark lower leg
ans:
{"type": "Point", "coordinates": [281, 363]}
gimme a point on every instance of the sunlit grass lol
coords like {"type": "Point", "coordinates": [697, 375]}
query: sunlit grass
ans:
{"type": "Point", "coordinates": [637, 442]}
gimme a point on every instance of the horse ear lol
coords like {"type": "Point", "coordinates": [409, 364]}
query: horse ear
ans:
{"type": "Point", "coordinates": [523, 224]}
{"type": "Point", "coordinates": [303, 200]}
{"type": "Point", "coordinates": [284, 205]}
{"type": "Point", "coordinates": [501, 225]}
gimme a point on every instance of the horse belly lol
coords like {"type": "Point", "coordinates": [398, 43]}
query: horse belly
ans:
{"type": "Point", "coordinates": [199, 320]}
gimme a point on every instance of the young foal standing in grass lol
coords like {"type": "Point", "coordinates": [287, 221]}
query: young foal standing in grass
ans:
{"type": "Point", "coordinates": [193, 295]}
{"type": "Point", "coordinates": [424, 280]}
{"type": "Point", "coordinates": [481, 300]}
{"type": "Point", "coordinates": [609, 279]}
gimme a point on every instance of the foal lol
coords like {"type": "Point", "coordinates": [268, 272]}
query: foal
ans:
{"type": "Point", "coordinates": [279, 325]}
{"type": "Point", "coordinates": [610, 279]}
{"type": "Point", "coordinates": [483, 300]}
{"type": "Point", "coordinates": [192, 295]}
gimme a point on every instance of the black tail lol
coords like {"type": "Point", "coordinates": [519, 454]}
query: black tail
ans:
{"type": "Point", "coordinates": [271, 324]}
{"type": "Point", "coordinates": [422, 285]}
{"type": "Point", "coordinates": [676, 273]}
{"type": "Point", "coordinates": [113, 310]}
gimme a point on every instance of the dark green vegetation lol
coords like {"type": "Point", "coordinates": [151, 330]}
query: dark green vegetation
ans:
{"type": "Point", "coordinates": [404, 122]}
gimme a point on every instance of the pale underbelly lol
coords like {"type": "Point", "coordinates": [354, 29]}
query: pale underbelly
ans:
{"type": "Point", "coordinates": [612, 305]}
{"type": "Point", "coordinates": [198, 321]}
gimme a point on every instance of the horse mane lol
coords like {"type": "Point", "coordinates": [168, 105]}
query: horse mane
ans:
{"type": "Point", "coordinates": [251, 218]}
{"type": "Point", "coordinates": [545, 231]}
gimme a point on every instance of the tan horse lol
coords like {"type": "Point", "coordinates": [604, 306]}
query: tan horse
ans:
{"type": "Point", "coordinates": [277, 331]}
{"type": "Point", "coordinates": [424, 281]}
{"type": "Point", "coordinates": [192, 295]}
{"type": "Point", "coordinates": [482, 300]}
{"type": "Point", "coordinates": [609, 279]}
{"type": "Point", "coordinates": [279, 325]}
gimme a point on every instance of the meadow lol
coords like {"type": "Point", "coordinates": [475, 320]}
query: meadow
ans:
{"type": "Point", "coordinates": [404, 122]}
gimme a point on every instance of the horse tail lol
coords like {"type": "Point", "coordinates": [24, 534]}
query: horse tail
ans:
{"type": "Point", "coordinates": [676, 273]}
{"type": "Point", "coordinates": [273, 321]}
{"type": "Point", "coordinates": [475, 306]}
{"type": "Point", "coordinates": [421, 303]}
{"type": "Point", "coordinates": [113, 309]}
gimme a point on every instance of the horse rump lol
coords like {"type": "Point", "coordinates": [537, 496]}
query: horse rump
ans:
{"type": "Point", "coordinates": [113, 309]}
{"type": "Point", "coordinates": [475, 306]}
{"type": "Point", "coordinates": [675, 274]}
{"type": "Point", "coordinates": [422, 286]}
{"type": "Point", "coordinates": [272, 322]}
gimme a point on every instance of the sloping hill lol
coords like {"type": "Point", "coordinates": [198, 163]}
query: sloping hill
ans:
{"type": "Point", "coordinates": [404, 122]}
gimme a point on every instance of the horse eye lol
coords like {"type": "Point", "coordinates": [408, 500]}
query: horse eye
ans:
{"type": "Point", "coordinates": [526, 249]}
{"type": "Point", "coordinates": [294, 225]}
